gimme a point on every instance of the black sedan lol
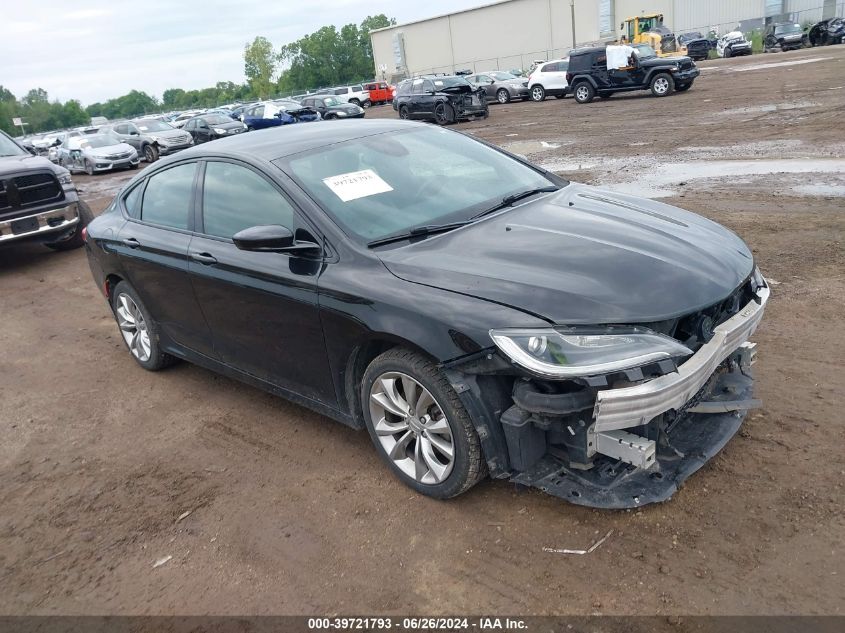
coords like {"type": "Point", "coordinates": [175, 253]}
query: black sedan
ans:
{"type": "Point", "coordinates": [208, 127]}
{"type": "Point", "coordinates": [475, 313]}
{"type": "Point", "coordinates": [330, 107]}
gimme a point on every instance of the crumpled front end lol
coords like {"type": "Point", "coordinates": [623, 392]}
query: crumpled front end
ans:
{"type": "Point", "coordinates": [631, 437]}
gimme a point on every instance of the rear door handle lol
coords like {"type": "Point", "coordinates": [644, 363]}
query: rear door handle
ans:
{"type": "Point", "coordinates": [131, 242]}
{"type": "Point", "coordinates": [204, 258]}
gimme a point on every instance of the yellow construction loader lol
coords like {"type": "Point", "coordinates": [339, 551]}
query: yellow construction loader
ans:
{"type": "Point", "coordinates": [649, 29]}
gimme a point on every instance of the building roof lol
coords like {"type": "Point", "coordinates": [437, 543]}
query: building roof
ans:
{"type": "Point", "coordinates": [443, 15]}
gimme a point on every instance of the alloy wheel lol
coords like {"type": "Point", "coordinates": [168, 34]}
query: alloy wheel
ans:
{"type": "Point", "coordinates": [537, 93]}
{"type": "Point", "coordinates": [502, 96]}
{"type": "Point", "coordinates": [133, 327]}
{"type": "Point", "coordinates": [412, 428]}
{"type": "Point", "coordinates": [440, 114]}
{"type": "Point", "coordinates": [582, 93]}
{"type": "Point", "coordinates": [661, 85]}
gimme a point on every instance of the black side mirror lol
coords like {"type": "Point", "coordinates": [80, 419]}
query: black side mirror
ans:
{"type": "Point", "coordinates": [31, 150]}
{"type": "Point", "coordinates": [272, 238]}
{"type": "Point", "coordinates": [134, 133]}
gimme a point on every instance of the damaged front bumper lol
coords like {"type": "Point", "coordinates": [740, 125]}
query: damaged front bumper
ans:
{"type": "Point", "coordinates": [632, 445]}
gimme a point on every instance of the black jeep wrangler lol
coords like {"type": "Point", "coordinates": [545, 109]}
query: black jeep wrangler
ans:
{"type": "Point", "coordinates": [38, 200]}
{"type": "Point", "coordinates": [589, 76]}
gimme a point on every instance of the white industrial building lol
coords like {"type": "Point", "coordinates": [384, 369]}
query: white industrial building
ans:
{"type": "Point", "coordinates": [512, 33]}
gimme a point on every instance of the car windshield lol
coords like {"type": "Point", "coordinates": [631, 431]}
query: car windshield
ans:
{"type": "Point", "coordinates": [99, 140]}
{"type": "Point", "coordinates": [9, 148]}
{"type": "Point", "coordinates": [331, 101]}
{"type": "Point", "coordinates": [152, 125]}
{"type": "Point", "coordinates": [389, 183]}
{"type": "Point", "coordinates": [448, 82]}
{"type": "Point", "coordinates": [784, 29]}
{"type": "Point", "coordinates": [502, 76]}
{"type": "Point", "coordinates": [217, 119]}
{"type": "Point", "coordinates": [645, 51]}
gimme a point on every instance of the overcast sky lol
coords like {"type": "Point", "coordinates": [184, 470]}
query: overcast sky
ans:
{"type": "Point", "coordinates": [94, 50]}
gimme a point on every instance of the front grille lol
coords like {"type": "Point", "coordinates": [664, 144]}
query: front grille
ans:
{"type": "Point", "coordinates": [118, 156]}
{"type": "Point", "coordinates": [20, 192]}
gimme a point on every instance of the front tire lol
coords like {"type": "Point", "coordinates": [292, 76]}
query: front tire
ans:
{"type": "Point", "coordinates": [538, 93]}
{"type": "Point", "coordinates": [444, 114]}
{"type": "Point", "coordinates": [137, 328]}
{"type": "Point", "coordinates": [150, 153]}
{"type": "Point", "coordinates": [89, 167]}
{"type": "Point", "coordinates": [584, 92]}
{"type": "Point", "coordinates": [503, 96]}
{"type": "Point", "coordinates": [419, 425]}
{"type": "Point", "coordinates": [683, 87]}
{"type": "Point", "coordinates": [403, 113]}
{"type": "Point", "coordinates": [662, 85]}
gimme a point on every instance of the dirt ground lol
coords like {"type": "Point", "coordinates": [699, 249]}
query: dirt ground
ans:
{"type": "Point", "coordinates": [291, 513]}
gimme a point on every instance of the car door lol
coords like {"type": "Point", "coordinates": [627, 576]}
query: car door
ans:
{"type": "Point", "coordinates": [489, 85]}
{"type": "Point", "coordinates": [261, 307]}
{"type": "Point", "coordinates": [133, 136]}
{"type": "Point", "coordinates": [203, 132]}
{"type": "Point", "coordinates": [153, 248]}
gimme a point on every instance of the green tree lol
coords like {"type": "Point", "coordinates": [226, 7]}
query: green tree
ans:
{"type": "Point", "coordinates": [329, 57]}
{"type": "Point", "coordinates": [260, 65]}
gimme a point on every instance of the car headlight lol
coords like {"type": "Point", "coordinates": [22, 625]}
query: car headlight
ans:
{"type": "Point", "coordinates": [65, 179]}
{"type": "Point", "coordinates": [219, 130]}
{"type": "Point", "coordinates": [585, 352]}
{"type": "Point", "coordinates": [154, 138]}
{"type": "Point", "coordinates": [341, 113]}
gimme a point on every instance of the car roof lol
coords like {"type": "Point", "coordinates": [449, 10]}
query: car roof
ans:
{"type": "Point", "coordinates": [587, 51]}
{"type": "Point", "coordinates": [286, 140]}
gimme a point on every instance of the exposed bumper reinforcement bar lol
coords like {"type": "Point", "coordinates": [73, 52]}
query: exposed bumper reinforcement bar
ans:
{"type": "Point", "coordinates": [634, 406]}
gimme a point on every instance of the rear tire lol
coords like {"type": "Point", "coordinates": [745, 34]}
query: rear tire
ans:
{"type": "Point", "coordinates": [584, 92]}
{"type": "Point", "coordinates": [403, 113]}
{"type": "Point", "coordinates": [74, 240]}
{"type": "Point", "coordinates": [538, 93]}
{"type": "Point", "coordinates": [387, 380]}
{"type": "Point", "coordinates": [126, 313]}
{"type": "Point", "coordinates": [503, 96]}
{"type": "Point", "coordinates": [367, 103]}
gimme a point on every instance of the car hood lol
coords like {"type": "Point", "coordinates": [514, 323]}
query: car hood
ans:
{"type": "Point", "coordinates": [10, 164]}
{"type": "Point", "coordinates": [227, 126]}
{"type": "Point", "coordinates": [663, 61]}
{"type": "Point", "coordinates": [108, 150]}
{"type": "Point", "coordinates": [583, 255]}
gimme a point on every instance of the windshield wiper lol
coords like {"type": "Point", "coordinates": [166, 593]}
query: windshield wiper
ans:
{"type": "Point", "coordinates": [515, 197]}
{"type": "Point", "coordinates": [418, 231]}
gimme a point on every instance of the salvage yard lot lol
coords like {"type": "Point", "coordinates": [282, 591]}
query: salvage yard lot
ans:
{"type": "Point", "coordinates": [266, 507]}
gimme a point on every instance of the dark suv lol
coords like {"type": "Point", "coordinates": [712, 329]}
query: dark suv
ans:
{"type": "Point", "coordinates": [443, 99]}
{"type": "Point", "coordinates": [589, 76]}
{"type": "Point", "coordinates": [38, 200]}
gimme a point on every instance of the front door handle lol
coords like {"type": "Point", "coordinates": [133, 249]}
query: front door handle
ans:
{"type": "Point", "coordinates": [204, 258]}
{"type": "Point", "coordinates": [131, 242]}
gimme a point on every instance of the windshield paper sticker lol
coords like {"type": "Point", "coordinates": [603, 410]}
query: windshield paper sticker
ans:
{"type": "Point", "coordinates": [357, 184]}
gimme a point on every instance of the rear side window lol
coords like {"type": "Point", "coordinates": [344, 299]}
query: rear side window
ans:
{"type": "Point", "coordinates": [403, 88]}
{"type": "Point", "coordinates": [167, 198]}
{"type": "Point", "coordinates": [549, 68]}
{"type": "Point", "coordinates": [236, 198]}
{"type": "Point", "coordinates": [357, 89]}
{"type": "Point", "coordinates": [579, 63]}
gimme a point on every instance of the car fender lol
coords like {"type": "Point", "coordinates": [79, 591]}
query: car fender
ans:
{"type": "Point", "coordinates": [586, 78]}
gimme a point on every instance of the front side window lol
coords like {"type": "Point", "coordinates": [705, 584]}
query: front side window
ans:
{"type": "Point", "coordinates": [383, 184]}
{"type": "Point", "coordinates": [132, 201]}
{"type": "Point", "coordinates": [236, 198]}
{"type": "Point", "coordinates": [167, 199]}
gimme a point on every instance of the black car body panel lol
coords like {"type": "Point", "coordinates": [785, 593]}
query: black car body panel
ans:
{"type": "Point", "coordinates": [698, 47]}
{"type": "Point", "coordinates": [590, 65]}
{"type": "Point", "coordinates": [305, 326]}
{"type": "Point", "coordinates": [603, 246]}
{"type": "Point", "coordinates": [34, 205]}
{"type": "Point", "coordinates": [784, 36]}
{"type": "Point", "coordinates": [827, 32]}
{"type": "Point", "coordinates": [419, 98]}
